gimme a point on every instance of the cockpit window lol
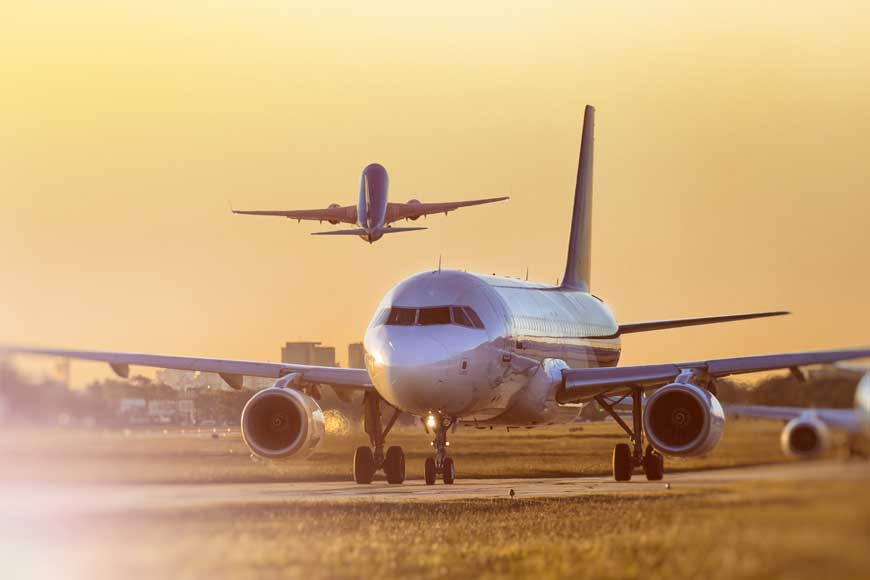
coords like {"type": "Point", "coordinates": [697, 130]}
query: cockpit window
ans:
{"type": "Point", "coordinates": [382, 316]}
{"type": "Point", "coordinates": [402, 316]}
{"type": "Point", "coordinates": [432, 316]}
{"type": "Point", "coordinates": [475, 319]}
{"type": "Point", "coordinates": [461, 318]}
{"type": "Point", "coordinates": [398, 316]}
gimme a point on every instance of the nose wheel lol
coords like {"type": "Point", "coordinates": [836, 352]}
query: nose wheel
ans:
{"type": "Point", "coordinates": [440, 464]}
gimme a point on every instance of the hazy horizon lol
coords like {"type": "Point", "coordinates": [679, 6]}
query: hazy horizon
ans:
{"type": "Point", "coordinates": [731, 166]}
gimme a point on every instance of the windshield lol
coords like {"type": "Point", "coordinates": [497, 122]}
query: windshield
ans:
{"type": "Point", "coordinates": [431, 316]}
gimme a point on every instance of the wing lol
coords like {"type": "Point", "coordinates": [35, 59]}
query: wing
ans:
{"type": "Point", "coordinates": [843, 418]}
{"type": "Point", "coordinates": [415, 209]}
{"type": "Point", "coordinates": [587, 383]}
{"type": "Point", "coordinates": [681, 322]}
{"type": "Point", "coordinates": [231, 371]}
{"type": "Point", "coordinates": [338, 214]}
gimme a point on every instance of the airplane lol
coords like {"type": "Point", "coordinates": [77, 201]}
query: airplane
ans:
{"type": "Point", "coordinates": [807, 430]}
{"type": "Point", "coordinates": [453, 347]}
{"type": "Point", "coordinates": [372, 214]}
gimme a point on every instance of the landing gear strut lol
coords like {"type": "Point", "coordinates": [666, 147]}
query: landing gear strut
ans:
{"type": "Point", "coordinates": [440, 464]}
{"type": "Point", "coordinates": [368, 460]}
{"type": "Point", "coordinates": [627, 457]}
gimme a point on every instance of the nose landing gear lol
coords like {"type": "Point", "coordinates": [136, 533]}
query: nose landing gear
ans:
{"type": "Point", "coordinates": [440, 464]}
{"type": "Point", "coordinates": [368, 460]}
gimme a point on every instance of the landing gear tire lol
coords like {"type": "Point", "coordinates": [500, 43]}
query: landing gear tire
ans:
{"type": "Point", "coordinates": [653, 465]}
{"type": "Point", "coordinates": [429, 471]}
{"type": "Point", "coordinates": [363, 465]}
{"type": "Point", "coordinates": [394, 465]}
{"type": "Point", "coordinates": [623, 462]}
{"type": "Point", "coordinates": [448, 472]}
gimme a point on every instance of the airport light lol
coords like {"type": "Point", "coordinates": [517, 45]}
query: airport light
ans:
{"type": "Point", "coordinates": [431, 422]}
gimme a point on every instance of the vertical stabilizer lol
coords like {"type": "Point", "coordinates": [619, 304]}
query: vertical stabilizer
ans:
{"type": "Point", "coordinates": [579, 244]}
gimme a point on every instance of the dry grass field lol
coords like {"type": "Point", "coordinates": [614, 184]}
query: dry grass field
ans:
{"type": "Point", "coordinates": [775, 530]}
{"type": "Point", "coordinates": [221, 456]}
{"type": "Point", "coordinates": [770, 529]}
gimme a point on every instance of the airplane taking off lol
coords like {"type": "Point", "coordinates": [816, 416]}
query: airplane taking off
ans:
{"type": "Point", "coordinates": [456, 348]}
{"type": "Point", "coordinates": [807, 430]}
{"type": "Point", "coordinates": [372, 213]}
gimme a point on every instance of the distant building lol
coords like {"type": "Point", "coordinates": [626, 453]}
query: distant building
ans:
{"type": "Point", "coordinates": [308, 353]}
{"type": "Point", "coordinates": [356, 356]}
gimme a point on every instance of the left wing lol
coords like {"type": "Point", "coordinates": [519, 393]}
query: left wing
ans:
{"type": "Point", "coordinates": [415, 209]}
{"type": "Point", "coordinates": [231, 371]}
{"type": "Point", "coordinates": [843, 418]}
{"type": "Point", "coordinates": [586, 383]}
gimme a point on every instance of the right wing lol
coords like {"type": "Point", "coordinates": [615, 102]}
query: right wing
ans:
{"type": "Point", "coordinates": [231, 371]}
{"type": "Point", "coordinates": [843, 418]}
{"type": "Point", "coordinates": [338, 214]}
{"type": "Point", "coordinates": [584, 384]}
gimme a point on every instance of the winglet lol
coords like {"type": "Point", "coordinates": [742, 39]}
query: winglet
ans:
{"type": "Point", "coordinates": [577, 268]}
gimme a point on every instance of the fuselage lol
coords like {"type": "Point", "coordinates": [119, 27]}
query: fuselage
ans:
{"type": "Point", "coordinates": [371, 205]}
{"type": "Point", "coordinates": [471, 346]}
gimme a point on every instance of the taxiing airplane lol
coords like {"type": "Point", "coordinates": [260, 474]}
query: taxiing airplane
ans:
{"type": "Point", "coordinates": [456, 348]}
{"type": "Point", "coordinates": [807, 430]}
{"type": "Point", "coordinates": [372, 213]}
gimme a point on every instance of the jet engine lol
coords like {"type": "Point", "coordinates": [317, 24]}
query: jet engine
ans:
{"type": "Point", "coordinates": [333, 206]}
{"type": "Point", "coordinates": [683, 420]}
{"type": "Point", "coordinates": [414, 202]}
{"type": "Point", "coordinates": [805, 437]}
{"type": "Point", "coordinates": [279, 423]}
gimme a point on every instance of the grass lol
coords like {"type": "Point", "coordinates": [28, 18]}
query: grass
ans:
{"type": "Point", "coordinates": [775, 530]}
{"type": "Point", "coordinates": [740, 530]}
{"type": "Point", "coordinates": [175, 457]}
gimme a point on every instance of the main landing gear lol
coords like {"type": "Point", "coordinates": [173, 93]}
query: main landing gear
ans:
{"type": "Point", "coordinates": [368, 460]}
{"type": "Point", "coordinates": [440, 464]}
{"type": "Point", "coordinates": [626, 457]}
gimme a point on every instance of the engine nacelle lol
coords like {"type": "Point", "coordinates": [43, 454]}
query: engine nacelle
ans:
{"type": "Point", "coordinates": [414, 202]}
{"type": "Point", "coordinates": [683, 420]}
{"type": "Point", "coordinates": [805, 437]}
{"type": "Point", "coordinates": [333, 206]}
{"type": "Point", "coordinates": [279, 423]}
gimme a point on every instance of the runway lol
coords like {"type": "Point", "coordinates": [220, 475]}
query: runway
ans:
{"type": "Point", "coordinates": [54, 500]}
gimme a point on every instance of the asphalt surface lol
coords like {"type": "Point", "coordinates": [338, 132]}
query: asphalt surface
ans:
{"type": "Point", "coordinates": [54, 500]}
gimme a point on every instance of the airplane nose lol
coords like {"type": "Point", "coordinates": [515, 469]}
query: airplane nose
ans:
{"type": "Point", "coordinates": [414, 374]}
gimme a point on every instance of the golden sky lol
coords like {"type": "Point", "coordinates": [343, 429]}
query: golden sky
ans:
{"type": "Point", "coordinates": [732, 165]}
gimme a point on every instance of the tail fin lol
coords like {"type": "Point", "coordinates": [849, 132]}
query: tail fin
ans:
{"type": "Point", "coordinates": [579, 244]}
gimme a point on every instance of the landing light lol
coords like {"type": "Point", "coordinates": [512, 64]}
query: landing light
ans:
{"type": "Point", "coordinates": [431, 421]}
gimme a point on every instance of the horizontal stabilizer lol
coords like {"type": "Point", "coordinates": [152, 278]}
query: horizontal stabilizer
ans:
{"type": "Point", "coordinates": [362, 232]}
{"type": "Point", "coordinates": [680, 322]}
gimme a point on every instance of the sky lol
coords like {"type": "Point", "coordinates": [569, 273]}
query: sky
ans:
{"type": "Point", "coordinates": [731, 165]}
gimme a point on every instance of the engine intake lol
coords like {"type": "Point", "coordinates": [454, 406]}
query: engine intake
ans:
{"type": "Point", "coordinates": [683, 420]}
{"type": "Point", "coordinates": [333, 206]}
{"type": "Point", "coordinates": [279, 423]}
{"type": "Point", "coordinates": [414, 202]}
{"type": "Point", "coordinates": [805, 437]}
